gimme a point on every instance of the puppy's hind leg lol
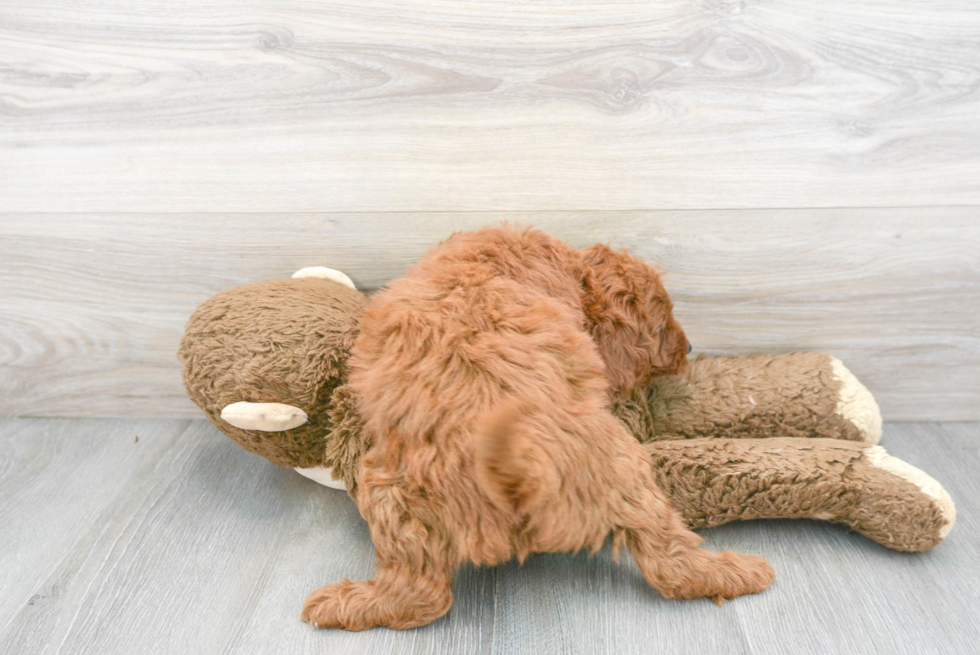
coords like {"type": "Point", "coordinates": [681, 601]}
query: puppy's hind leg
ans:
{"type": "Point", "coordinates": [667, 553]}
{"type": "Point", "coordinates": [669, 557]}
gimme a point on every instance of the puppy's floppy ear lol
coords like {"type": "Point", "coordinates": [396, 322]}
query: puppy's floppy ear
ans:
{"type": "Point", "coordinates": [630, 317]}
{"type": "Point", "coordinates": [605, 300]}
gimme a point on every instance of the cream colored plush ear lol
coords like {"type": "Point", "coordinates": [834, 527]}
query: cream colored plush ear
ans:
{"type": "Point", "coordinates": [325, 273]}
{"type": "Point", "coordinates": [266, 417]}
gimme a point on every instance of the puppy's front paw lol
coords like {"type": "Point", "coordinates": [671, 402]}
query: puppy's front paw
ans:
{"type": "Point", "coordinates": [339, 605]}
{"type": "Point", "coordinates": [362, 605]}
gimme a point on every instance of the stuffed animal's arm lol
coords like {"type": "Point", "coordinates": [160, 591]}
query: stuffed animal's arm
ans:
{"type": "Point", "coordinates": [714, 481]}
{"type": "Point", "coordinates": [756, 396]}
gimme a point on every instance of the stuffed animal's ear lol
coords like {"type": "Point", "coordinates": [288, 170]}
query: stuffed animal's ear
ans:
{"type": "Point", "coordinates": [326, 273]}
{"type": "Point", "coordinates": [265, 417]}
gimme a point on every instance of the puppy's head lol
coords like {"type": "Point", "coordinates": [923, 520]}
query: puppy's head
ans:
{"type": "Point", "coordinates": [631, 318]}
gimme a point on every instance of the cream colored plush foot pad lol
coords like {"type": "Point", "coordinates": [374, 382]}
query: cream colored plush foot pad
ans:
{"type": "Point", "coordinates": [856, 404]}
{"type": "Point", "coordinates": [877, 457]}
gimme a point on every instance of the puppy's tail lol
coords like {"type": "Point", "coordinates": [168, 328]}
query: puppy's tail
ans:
{"type": "Point", "coordinates": [513, 470]}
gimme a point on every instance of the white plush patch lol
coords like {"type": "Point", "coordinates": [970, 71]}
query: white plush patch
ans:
{"type": "Point", "coordinates": [325, 273]}
{"type": "Point", "coordinates": [877, 457]}
{"type": "Point", "coordinates": [856, 404]}
{"type": "Point", "coordinates": [266, 417]}
{"type": "Point", "coordinates": [322, 475]}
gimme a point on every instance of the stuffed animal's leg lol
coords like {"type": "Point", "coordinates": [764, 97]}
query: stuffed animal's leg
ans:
{"type": "Point", "coordinates": [714, 481]}
{"type": "Point", "coordinates": [755, 396]}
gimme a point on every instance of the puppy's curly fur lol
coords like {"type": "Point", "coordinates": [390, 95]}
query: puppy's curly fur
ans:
{"type": "Point", "coordinates": [484, 376]}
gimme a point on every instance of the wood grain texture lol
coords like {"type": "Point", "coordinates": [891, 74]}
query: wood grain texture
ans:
{"type": "Point", "coordinates": [449, 105]}
{"type": "Point", "coordinates": [92, 306]}
{"type": "Point", "coordinates": [182, 542]}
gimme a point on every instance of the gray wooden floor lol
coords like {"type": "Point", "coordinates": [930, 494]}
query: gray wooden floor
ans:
{"type": "Point", "coordinates": [139, 536]}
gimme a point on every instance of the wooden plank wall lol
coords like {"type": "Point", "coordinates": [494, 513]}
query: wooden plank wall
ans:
{"type": "Point", "coordinates": [93, 305]}
{"type": "Point", "coordinates": [809, 173]}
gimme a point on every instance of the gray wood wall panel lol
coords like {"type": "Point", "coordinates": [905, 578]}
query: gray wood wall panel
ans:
{"type": "Point", "coordinates": [369, 105]}
{"type": "Point", "coordinates": [184, 543]}
{"type": "Point", "coordinates": [92, 306]}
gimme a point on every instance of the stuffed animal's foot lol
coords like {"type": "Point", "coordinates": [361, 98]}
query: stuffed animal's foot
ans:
{"type": "Point", "coordinates": [380, 602]}
{"type": "Point", "coordinates": [855, 404]}
{"type": "Point", "coordinates": [899, 506]}
{"type": "Point", "coordinates": [714, 481]}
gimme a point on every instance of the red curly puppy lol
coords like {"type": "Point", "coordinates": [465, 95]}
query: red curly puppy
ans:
{"type": "Point", "coordinates": [484, 376]}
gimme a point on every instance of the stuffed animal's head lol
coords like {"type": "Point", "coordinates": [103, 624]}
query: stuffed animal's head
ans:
{"type": "Point", "coordinates": [263, 361]}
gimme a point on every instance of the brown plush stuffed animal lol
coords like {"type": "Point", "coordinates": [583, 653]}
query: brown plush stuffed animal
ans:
{"type": "Point", "coordinates": [762, 436]}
